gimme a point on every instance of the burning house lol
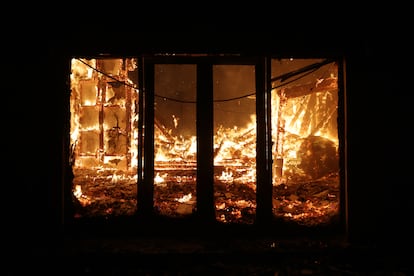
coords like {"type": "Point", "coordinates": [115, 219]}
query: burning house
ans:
{"type": "Point", "coordinates": [162, 134]}
{"type": "Point", "coordinates": [228, 139]}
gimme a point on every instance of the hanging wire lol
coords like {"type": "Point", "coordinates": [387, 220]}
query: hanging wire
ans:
{"type": "Point", "coordinates": [107, 75]}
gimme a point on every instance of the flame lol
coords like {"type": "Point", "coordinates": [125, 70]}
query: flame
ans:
{"type": "Point", "coordinates": [158, 179]}
{"type": "Point", "coordinates": [185, 198]}
{"type": "Point", "coordinates": [226, 176]}
{"type": "Point", "coordinates": [99, 108]}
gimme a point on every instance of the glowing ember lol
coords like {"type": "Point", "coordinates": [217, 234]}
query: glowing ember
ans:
{"type": "Point", "coordinates": [83, 199]}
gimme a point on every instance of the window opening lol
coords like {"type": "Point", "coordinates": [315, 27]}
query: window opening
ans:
{"type": "Point", "coordinates": [306, 179]}
{"type": "Point", "coordinates": [305, 150]}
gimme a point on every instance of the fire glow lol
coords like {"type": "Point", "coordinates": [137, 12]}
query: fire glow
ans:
{"type": "Point", "coordinates": [104, 149]}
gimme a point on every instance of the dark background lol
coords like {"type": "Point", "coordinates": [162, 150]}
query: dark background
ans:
{"type": "Point", "coordinates": [378, 58]}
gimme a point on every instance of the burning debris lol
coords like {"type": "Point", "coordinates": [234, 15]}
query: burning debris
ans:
{"type": "Point", "coordinates": [308, 203]}
{"type": "Point", "coordinates": [104, 194]}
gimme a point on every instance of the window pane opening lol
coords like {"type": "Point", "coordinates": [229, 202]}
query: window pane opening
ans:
{"type": "Point", "coordinates": [175, 143]}
{"type": "Point", "coordinates": [234, 143]}
{"type": "Point", "coordinates": [305, 149]}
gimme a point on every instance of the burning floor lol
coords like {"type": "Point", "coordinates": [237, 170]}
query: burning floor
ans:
{"type": "Point", "coordinates": [113, 194]}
